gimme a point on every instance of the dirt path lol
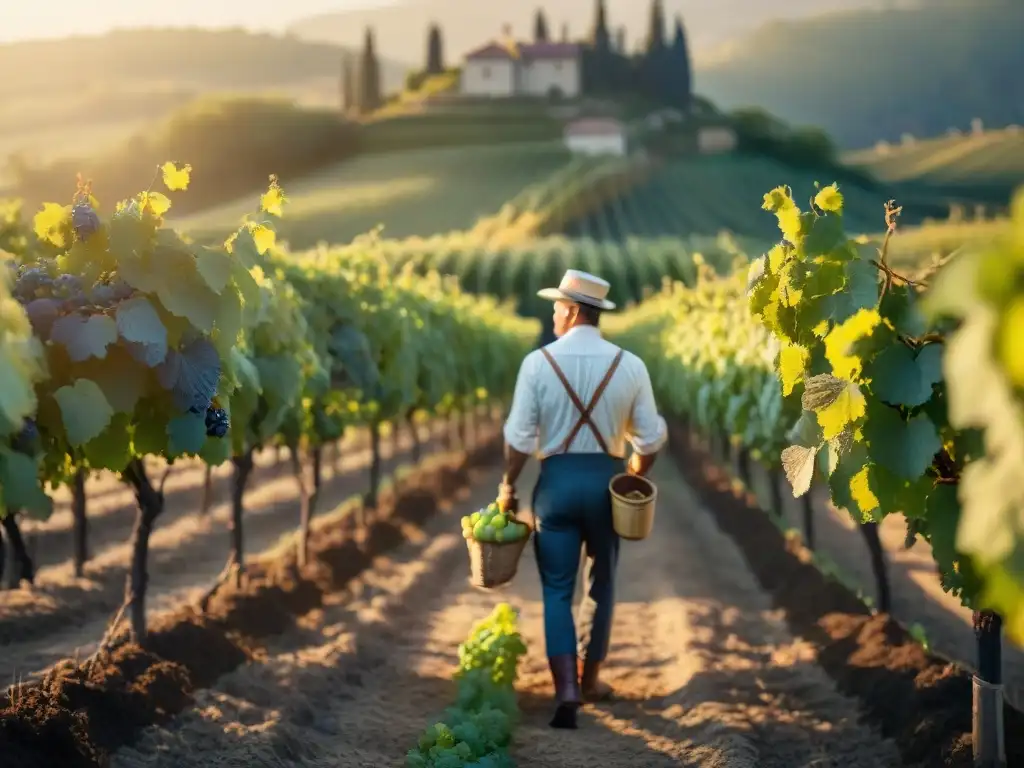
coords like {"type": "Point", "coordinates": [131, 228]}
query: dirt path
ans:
{"type": "Point", "coordinates": [707, 675]}
{"type": "Point", "coordinates": [64, 616]}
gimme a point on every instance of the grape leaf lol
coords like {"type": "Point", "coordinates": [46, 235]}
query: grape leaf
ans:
{"type": "Point", "coordinates": [186, 434]}
{"type": "Point", "coordinates": [798, 464]}
{"type": "Point", "coordinates": [352, 349]}
{"type": "Point", "coordinates": [141, 326]}
{"type": "Point", "coordinates": [111, 449]}
{"type": "Point", "coordinates": [792, 364]}
{"type": "Point", "coordinates": [84, 336]}
{"type": "Point", "coordinates": [824, 234]}
{"type": "Point", "coordinates": [215, 267]}
{"type": "Point", "coordinates": [51, 223]}
{"type": "Point", "coordinates": [19, 479]}
{"type": "Point", "coordinates": [905, 448]}
{"type": "Point", "coordinates": [42, 313]}
{"type": "Point", "coordinates": [822, 391]}
{"type": "Point", "coordinates": [84, 410]}
{"type": "Point", "coordinates": [176, 178]}
{"type": "Point", "coordinates": [191, 375]}
{"type": "Point", "coordinates": [899, 377]}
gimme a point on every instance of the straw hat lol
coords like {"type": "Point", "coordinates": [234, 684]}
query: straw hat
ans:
{"type": "Point", "coordinates": [581, 288]}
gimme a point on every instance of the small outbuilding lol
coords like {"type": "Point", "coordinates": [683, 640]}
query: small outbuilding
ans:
{"type": "Point", "coordinates": [596, 136]}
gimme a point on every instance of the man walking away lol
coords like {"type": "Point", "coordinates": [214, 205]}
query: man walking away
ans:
{"type": "Point", "coordinates": [577, 402]}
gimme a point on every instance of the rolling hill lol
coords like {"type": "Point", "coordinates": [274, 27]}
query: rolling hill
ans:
{"type": "Point", "coordinates": [867, 75]}
{"type": "Point", "coordinates": [401, 26]}
{"type": "Point", "coordinates": [67, 96]}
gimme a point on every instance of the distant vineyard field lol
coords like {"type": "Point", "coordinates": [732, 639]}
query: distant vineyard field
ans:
{"type": "Point", "coordinates": [634, 267]}
{"type": "Point", "coordinates": [988, 158]}
{"type": "Point", "coordinates": [706, 195]}
{"type": "Point", "coordinates": [410, 193]}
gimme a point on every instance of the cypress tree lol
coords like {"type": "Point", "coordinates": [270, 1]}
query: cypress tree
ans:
{"type": "Point", "coordinates": [599, 37]}
{"type": "Point", "coordinates": [682, 71]}
{"type": "Point", "coordinates": [369, 76]}
{"type": "Point", "coordinates": [656, 28]}
{"type": "Point", "coordinates": [435, 51]}
{"type": "Point", "coordinates": [348, 84]}
{"type": "Point", "coordinates": [620, 40]}
{"type": "Point", "coordinates": [565, 32]}
{"type": "Point", "coordinates": [540, 27]}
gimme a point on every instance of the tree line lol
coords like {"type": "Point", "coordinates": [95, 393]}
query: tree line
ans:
{"type": "Point", "coordinates": [660, 69]}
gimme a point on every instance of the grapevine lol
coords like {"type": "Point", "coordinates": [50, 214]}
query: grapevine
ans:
{"type": "Point", "coordinates": [982, 291]}
{"type": "Point", "coordinates": [127, 341]}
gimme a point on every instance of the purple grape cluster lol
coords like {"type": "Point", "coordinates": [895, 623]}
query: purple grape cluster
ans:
{"type": "Point", "coordinates": [217, 422]}
{"type": "Point", "coordinates": [84, 221]}
{"type": "Point", "coordinates": [47, 293]}
{"type": "Point", "coordinates": [25, 441]}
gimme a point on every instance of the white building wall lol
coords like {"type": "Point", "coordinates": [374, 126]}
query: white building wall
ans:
{"type": "Point", "coordinates": [539, 77]}
{"type": "Point", "coordinates": [488, 77]}
{"type": "Point", "coordinates": [601, 144]}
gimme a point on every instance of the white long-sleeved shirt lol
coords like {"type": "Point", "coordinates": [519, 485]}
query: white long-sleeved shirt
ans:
{"type": "Point", "coordinates": [542, 414]}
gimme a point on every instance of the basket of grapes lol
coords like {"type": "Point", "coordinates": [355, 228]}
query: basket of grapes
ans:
{"type": "Point", "coordinates": [495, 540]}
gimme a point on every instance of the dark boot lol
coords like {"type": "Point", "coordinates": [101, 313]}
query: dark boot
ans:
{"type": "Point", "coordinates": [591, 686]}
{"type": "Point", "coordinates": [567, 691]}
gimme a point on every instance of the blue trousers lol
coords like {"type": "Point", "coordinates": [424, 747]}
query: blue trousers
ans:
{"type": "Point", "coordinates": [572, 510]}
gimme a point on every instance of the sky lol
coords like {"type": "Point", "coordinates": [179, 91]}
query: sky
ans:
{"type": "Point", "coordinates": [34, 19]}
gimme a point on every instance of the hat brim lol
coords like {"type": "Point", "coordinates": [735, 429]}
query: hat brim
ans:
{"type": "Point", "coordinates": [555, 294]}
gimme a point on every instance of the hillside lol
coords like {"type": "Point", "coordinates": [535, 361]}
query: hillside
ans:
{"type": "Point", "coordinates": [868, 75]}
{"type": "Point", "coordinates": [402, 27]}
{"type": "Point", "coordinates": [102, 88]}
{"type": "Point", "coordinates": [991, 160]}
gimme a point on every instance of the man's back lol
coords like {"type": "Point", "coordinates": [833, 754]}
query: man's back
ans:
{"type": "Point", "coordinates": [543, 410]}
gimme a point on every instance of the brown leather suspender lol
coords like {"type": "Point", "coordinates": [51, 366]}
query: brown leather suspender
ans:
{"type": "Point", "coordinates": [584, 412]}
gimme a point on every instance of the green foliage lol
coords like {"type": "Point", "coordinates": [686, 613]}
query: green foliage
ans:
{"type": "Point", "coordinates": [138, 327]}
{"type": "Point", "coordinates": [983, 291]}
{"type": "Point", "coordinates": [136, 333]}
{"type": "Point", "coordinates": [865, 365]}
{"type": "Point", "coordinates": [476, 732]}
{"type": "Point", "coordinates": [842, 369]}
{"type": "Point", "coordinates": [710, 362]}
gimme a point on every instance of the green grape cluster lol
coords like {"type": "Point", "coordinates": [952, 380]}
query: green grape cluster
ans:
{"type": "Point", "coordinates": [490, 524]}
{"type": "Point", "coordinates": [476, 732]}
{"type": "Point", "coordinates": [495, 646]}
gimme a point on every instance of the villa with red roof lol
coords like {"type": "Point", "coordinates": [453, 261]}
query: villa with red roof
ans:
{"type": "Point", "coordinates": [503, 69]}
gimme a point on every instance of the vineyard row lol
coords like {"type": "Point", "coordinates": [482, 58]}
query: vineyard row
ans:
{"type": "Point", "coordinates": [120, 340]}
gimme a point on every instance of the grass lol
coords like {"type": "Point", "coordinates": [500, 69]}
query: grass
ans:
{"type": "Point", "coordinates": [411, 193]}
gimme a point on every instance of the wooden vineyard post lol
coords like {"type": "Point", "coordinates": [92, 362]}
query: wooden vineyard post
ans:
{"type": "Point", "coordinates": [988, 730]}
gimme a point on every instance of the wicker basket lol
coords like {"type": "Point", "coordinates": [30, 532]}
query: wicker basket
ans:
{"type": "Point", "coordinates": [493, 563]}
{"type": "Point", "coordinates": [633, 519]}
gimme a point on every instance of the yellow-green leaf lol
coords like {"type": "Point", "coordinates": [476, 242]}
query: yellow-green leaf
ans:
{"type": "Point", "coordinates": [176, 178]}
